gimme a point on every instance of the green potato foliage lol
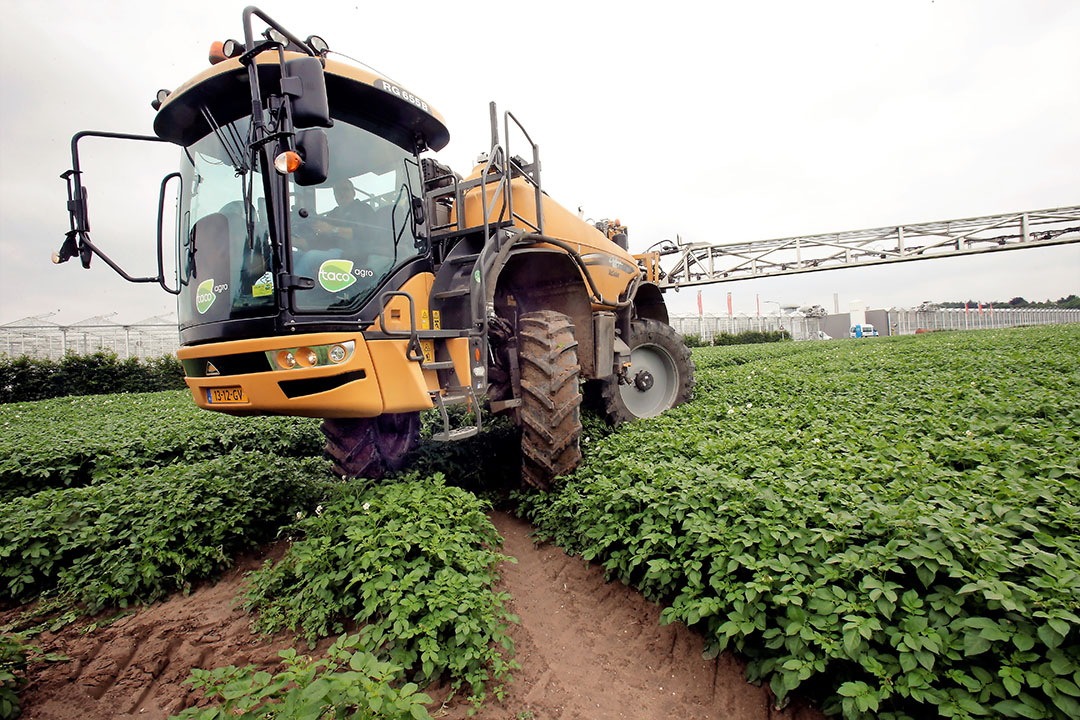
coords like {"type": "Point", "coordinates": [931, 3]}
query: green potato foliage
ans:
{"type": "Point", "coordinates": [412, 563]}
{"type": "Point", "coordinates": [890, 526]}
{"type": "Point", "coordinates": [347, 683]}
{"type": "Point", "coordinates": [14, 659]}
{"type": "Point", "coordinates": [74, 441]}
{"type": "Point", "coordinates": [139, 536]}
{"type": "Point", "coordinates": [17, 653]}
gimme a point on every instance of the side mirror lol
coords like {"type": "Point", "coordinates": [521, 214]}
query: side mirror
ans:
{"type": "Point", "coordinates": [314, 150]}
{"type": "Point", "coordinates": [305, 83]}
{"type": "Point", "coordinates": [160, 235]}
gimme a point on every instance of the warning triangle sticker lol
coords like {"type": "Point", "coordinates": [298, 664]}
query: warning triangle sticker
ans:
{"type": "Point", "coordinates": [211, 370]}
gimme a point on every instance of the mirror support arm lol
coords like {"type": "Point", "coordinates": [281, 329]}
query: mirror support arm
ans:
{"type": "Point", "coordinates": [77, 239]}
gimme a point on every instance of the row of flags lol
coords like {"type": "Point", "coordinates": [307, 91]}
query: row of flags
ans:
{"type": "Point", "coordinates": [701, 311]}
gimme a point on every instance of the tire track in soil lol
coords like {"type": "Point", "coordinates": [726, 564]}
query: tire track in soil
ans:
{"type": "Point", "coordinates": [136, 667]}
{"type": "Point", "coordinates": [594, 650]}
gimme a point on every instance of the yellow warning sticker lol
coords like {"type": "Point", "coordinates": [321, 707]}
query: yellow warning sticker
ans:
{"type": "Point", "coordinates": [436, 323]}
{"type": "Point", "coordinates": [428, 347]}
{"type": "Point", "coordinates": [423, 319]}
{"type": "Point", "coordinates": [263, 286]}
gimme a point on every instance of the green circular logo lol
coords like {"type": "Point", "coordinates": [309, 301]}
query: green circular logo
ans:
{"type": "Point", "coordinates": [204, 296]}
{"type": "Point", "coordinates": [335, 275]}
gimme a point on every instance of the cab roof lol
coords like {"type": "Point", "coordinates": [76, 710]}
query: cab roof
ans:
{"type": "Point", "coordinates": [223, 88]}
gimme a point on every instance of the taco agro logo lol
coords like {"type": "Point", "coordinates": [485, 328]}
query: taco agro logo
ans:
{"type": "Point", "coordinates": [204, 296]}
{"type": "Point", "coordinates": [336, 275]}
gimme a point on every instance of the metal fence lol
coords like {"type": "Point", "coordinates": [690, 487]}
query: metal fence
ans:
{"type": "Point", "coordinates": [37, 337]}
{"type": "Point", "coordinates": [899, 321]}
{"type": "Point", "coordinates": [709, 326]}
{"type": "Point", "coordinates": [907, 322]}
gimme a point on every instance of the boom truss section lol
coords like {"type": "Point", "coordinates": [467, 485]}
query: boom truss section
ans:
{"type": "Point", "coordinates": [705, 263]}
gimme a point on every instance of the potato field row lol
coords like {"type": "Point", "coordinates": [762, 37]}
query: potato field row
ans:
{"type": "Point", "coordinates": [892, 526]}
{"type": "Point", "coordinates": [889, 526]}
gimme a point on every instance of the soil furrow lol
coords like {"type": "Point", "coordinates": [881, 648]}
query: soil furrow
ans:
{"type": "Point", "coordinates": [596, 650]}
{"type": "Point", "coordinates": [588, 649]}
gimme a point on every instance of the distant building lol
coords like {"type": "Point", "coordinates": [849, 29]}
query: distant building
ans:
{"type": "Point", "coordinates": [838, 325]}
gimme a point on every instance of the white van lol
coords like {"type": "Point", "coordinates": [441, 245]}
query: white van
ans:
{"type": "Point", "coordinates": [861, 331]}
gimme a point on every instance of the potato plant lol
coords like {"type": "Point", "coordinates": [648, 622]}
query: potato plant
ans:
{"type": "Point", "coordinates": [73, 441]}
{"type": "Point", "coordinates": [346, 683]}
{"type": "Point", "coordinates": [411, 563]}
{"type": "Point", "coordinates": [141, 535]}
{"type": "Point", "coordinates": [892, 526]}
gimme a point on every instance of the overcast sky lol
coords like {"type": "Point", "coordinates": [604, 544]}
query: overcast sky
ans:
{"type": "Point", "coordinates": [717, 122]}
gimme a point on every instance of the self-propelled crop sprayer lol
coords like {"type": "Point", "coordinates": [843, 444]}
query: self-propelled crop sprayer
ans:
{"type": "Point", "coordinates": [325, 269]}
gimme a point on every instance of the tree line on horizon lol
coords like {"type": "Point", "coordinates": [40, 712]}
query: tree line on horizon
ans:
{"type": "Point", "coordinates": [1070, 302]}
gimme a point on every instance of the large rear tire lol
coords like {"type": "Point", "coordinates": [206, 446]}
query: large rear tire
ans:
{"type": "Point", "coordinates": [371, 447]}
{"type": "Point", "coordinates": [661, 376]}
{"type": "Point", "coordinates": [550, 397]}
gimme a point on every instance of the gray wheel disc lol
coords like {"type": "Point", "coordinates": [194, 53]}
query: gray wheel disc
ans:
{"type": "Point", "coordinates": [654, 381]}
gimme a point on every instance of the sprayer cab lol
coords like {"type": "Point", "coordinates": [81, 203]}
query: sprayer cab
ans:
{"type": "Point", "coordinates": [299, 201]}
{"type": "Point", "coordinates": [323, 269]}
{"type": "Point", "coordinates": [299, 188]}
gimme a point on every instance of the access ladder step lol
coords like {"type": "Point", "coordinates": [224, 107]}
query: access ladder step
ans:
{"type": "Point", "coordinates": [441, 334]}
{"type": "Point", "coordinates": [456, 434]}
{"type": "Point", "coordinates": [459, 395]}
{"type": "Point", "coordinates": [447, 294]}
{"type": "Point", "coordinates": [437, 365]}
{"type": "Point", "coordinates": [463, 259]}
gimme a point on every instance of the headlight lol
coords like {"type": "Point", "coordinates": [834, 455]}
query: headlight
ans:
{"type": "Point", "coordinates": [286, 360]}
{"type": "Point", "coordinates": [312, 356]}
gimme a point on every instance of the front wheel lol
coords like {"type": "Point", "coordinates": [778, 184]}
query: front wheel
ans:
{"type": "Point", "coordinates": [371, 447]}
{"type": "Point", "coordinates": [660, 376]}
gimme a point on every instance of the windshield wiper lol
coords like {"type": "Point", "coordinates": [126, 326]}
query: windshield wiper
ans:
{"type": "Point", "coordinates": [232, 143]}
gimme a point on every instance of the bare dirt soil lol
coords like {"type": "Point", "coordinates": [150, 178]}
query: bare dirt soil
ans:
{"type": "Point", "coordinates": [135, 667]}
{"type": "Point", "coordinates": [588, 650]}
{"type": "Point", "coordinates": [595, 650]}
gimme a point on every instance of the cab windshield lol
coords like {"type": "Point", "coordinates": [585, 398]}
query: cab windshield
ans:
{"type": "Point", "coordinates": [348, 233]}
{"type": "Point", "coordinates": [225, 266]}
